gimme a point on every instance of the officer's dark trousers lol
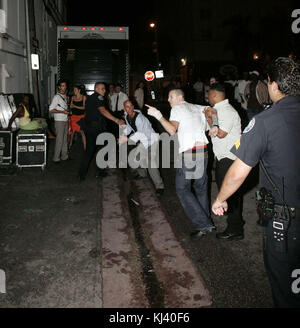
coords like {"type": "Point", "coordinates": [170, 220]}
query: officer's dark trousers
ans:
{"type": "Point", "coordinates": [91, 137]}
{"type": "Point", "coordinates": [283, 269]}
{"type": "Point", "coordinates": [235, 221]}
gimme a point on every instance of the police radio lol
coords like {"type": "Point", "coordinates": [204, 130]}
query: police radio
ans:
{"type": "Point", "coordinates": [280, 228]}
{"type": "Point", "coordinates": [280, 216]}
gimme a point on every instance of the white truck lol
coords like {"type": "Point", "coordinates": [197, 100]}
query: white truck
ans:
{"type": "Point", "coordinates": [90, 54]}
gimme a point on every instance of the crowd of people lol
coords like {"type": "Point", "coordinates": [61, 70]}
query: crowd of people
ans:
{"type": "Point", "coordinates": [216, 116]}
{"type": "Point", "coordinates": [248, 94]}
{"type": "Point", "coordinates": [270, 139]}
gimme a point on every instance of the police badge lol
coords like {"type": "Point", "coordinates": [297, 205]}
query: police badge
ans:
{"type": "Point", "coordinates": [250, 126]}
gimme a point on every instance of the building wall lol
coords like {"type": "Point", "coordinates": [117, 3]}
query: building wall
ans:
{"type": "Point", "coordinates": [46, 36]}
{"type": "Point", "coordinates": [44, 16]}
{"type": "Point", "coordinates": [47, 14]}
{"type": "Point", "coordinates": [13, 54]}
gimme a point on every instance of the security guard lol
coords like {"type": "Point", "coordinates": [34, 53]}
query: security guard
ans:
{"type": "Point", "coordinates": [94, 124]}
{"type": "Point", "coordinates": [272, 137]}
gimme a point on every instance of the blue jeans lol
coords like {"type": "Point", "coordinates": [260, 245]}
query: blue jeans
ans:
{"type": "Point", "coordinates": [195, 205]}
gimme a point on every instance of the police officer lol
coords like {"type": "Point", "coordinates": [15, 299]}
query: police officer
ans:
{"type": "Point", "coordinates": [95, 123]}
{"type": "Point", "coordinates": [272, 137]}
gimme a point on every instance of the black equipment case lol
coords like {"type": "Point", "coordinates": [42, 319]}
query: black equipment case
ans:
{"type": "Point", "coordinates": [7, 147]}
{"type": "Point", "coordinates": [31, 149]}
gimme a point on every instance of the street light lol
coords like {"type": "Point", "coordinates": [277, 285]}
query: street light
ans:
{"type": "Point", "coordinates": [256, 56]}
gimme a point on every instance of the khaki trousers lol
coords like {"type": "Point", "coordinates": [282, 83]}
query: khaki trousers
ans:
{"type": "Point", "coordinates": [149, 163]}
{"type": "Point", "coordinates": [61, 144]}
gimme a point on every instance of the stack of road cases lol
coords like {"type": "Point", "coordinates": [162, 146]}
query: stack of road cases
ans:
{"type": "Point", "coordinates": [7, 138]}
{"type": "Point", "coordinates": [7, 108]}
{"type": "Point", "coordinates": [31, 149]}
{"type": "Point", "coordinates": [7, 147]}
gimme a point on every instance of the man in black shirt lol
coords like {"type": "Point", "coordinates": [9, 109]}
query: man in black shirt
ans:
{"type": "Point", "coordinates": [273, 138]}
{"type": "Point", "coordinates": [95, 123]}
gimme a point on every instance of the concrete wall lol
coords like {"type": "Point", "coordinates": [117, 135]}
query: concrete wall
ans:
{"type": "Point", "coordinates": [47, 50]}
{"type": "Point", "coordinates": [44, 16]}
{"type": "Point", "coordinates": [13, 54]}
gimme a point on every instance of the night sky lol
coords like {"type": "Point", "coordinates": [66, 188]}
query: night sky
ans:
{"type": "Point", "coordinates": [138, 14]}
{"type": "Point", "coordinates": [135, 14]}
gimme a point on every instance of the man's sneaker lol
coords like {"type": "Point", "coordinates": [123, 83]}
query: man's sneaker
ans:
{"type": "Point", "coordinates": [211, 229]}
{"type": "Point", "coordinates": [198, 233]}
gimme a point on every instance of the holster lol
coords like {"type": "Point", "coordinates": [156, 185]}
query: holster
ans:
{"type": "Point", "coordinates": [265, 206]}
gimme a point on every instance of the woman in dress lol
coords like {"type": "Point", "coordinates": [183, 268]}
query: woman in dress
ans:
{"type": "Point", "coordinates": [77, 107]}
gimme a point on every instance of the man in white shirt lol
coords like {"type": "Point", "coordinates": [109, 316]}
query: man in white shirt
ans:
{"type": "Point", "coordinates": [111, 95]}
{"type": "Point", "coordinates": [59, 107]}
{"type": "Point", "coordinates": [190, 123]}
{"type": "Point", "coordinates": [228, 134]}
{"type": "Point", "coordinates": [118, 100]}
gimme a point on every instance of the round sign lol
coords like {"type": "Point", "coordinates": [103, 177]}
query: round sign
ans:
{"type": "Point", "coordinates": [149, 76]}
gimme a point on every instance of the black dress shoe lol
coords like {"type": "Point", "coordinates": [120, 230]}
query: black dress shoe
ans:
{"type": "Point", "coordinates": [229, 236]}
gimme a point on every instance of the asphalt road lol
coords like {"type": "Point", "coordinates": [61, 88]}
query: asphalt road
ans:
{"type": "Point", "coordinates": [51, 242]}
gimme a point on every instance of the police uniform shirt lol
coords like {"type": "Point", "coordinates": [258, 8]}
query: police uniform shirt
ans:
{"type": "Point", "coordinates": [92, 113]}
{"type": "Point", "coordinates": [274, 136]}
